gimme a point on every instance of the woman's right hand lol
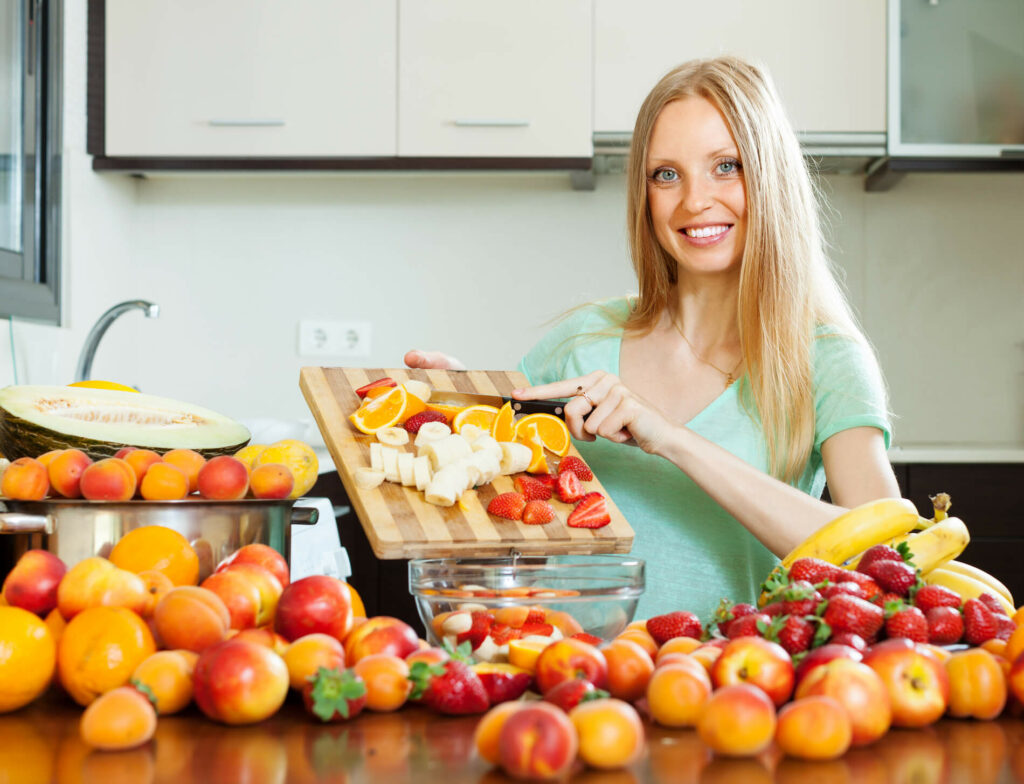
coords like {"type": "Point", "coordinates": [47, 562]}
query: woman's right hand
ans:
{"type": "Point", "coordinates": [432, 360]}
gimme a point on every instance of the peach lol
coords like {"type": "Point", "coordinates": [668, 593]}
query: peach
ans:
{"type": "Point", "coordinates": [503, 682]}
{"type": "Point", "coordinates": [48, 457]}
{"type": "Point", "coordinates": [706, 655]}
{"type": "Point", "coordinates": [96, 582]}
{"type": "Point", "coordinates": [977, 687]}
{"type": "Point", "coordinates": [387, 681]}
{"type": "Point", "coordinates": [157, 584]}
{"type": "Point", "coordinates": [738, 720]}
{"type": "Point", "coordinates": [677, 645]}
{"type": "Point", "coordinates": [629, 669]}
{"type": "Point", "coordinates": [641, 638]}
{"type": "Point", "coordinates": [380, 634]}
{"type": "Point", "coordinates": [65, 472]}
{"type": "Point", "coordinates": [860, 691]}
{"type": "Point", "coordinates": [189, 461]}
{"type": "Point", "coordinates": [239, 682]}
{"type": "Point", "coordinates": [308, 654]}
{"type": "Point", "coordinates": [163, 482]}
{"type": "Point", "coordinates": [32, 583]}
{"type": "Point", "coordinates": [26, 479]}
{"type": "Point", "coordinates": [317, 603]}
{"type": "Point", "coordinates": [538, 741]}
{"type": "Point", "coordinates": [223, 478]}
{"type": "Point", "coordinates": [167, 675]}
{"type": "Point", "coordinates": [611, 734]}
{"type": "Point", "coordinates": [262, 635]}
{"type": "Point", "coordinates": [122, 718]}
{"type": "Point", "coordinates": [814, 728]}
{"type": "Point", "coordinates": [1015, 680]}
{"type": "Point", "coordinates": [564, 622]}
{"type": "Point", "coordinates": [488, 730]}
{"type": "Point", "coordinates": [566, 659]}
{"type": "Point", "coordinates": [140, 461]}
{"type": "Point", "coordinates": [192, 618]}
{"type": "Point", "coordinates": [429, 655]}
{"type": "Point", "coordinates": [123, 452]}
{"type": "Point", "coordinates": [917, 682]}
{"type": "Point", "coordinates": [260, 555]}
{"type": "Point", "coordinates": [110, 479]}
{"type": "Point", "coordinates": [677, 693]}
{"type": "Point", "coordinates": [271, 480]}
{"type": "Point", "coordinates": [239, 594]}
{"type": "Point", "coordinates": [756, 661]}
{"type": "Point", "coordinates": [266, 584]}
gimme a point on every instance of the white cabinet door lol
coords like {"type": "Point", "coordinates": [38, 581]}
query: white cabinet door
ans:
{"type": "Point", "coordinates": [226, 78]}
{"type": "Point", "coordinates": [827, 57]}
{"type": "Point", "coordinates": [487, 78]}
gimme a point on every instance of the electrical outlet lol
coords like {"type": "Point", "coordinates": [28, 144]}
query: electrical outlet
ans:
{"type": "Point", "coordinates": [334, 338]}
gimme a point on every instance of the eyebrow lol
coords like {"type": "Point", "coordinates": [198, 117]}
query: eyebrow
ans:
{"type": "Point", "coordinates": [713, 154]}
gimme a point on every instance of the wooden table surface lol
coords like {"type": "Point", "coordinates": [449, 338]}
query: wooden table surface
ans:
{"type": "Point", "coordinates": [40, 743]}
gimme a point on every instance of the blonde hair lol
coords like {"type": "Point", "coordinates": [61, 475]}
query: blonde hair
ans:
{"type": "Point", "coordinates": [786, 286]}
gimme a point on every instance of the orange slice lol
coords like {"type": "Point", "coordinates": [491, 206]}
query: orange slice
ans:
{"type": "Point", "coordinates": [386, 410]}
{"type": "Point", "coordinates": [449, 411]}
{"type": "Point", "coordinates": [551, 430]}
{"type": "Point", "coordinates": [504, 426]}
{"type": "Point", "coordinates": [530, 436]}
{"type": "Point", "coordinates": [481, 416]}
{"type": "Point", "coordinates": [524, 653]}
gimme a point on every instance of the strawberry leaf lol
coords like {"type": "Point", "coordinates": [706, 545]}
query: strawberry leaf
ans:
{"type": "Point", "coordinates": [903, 548]}
{"type": "Point", "coordinates": [332, 691]}
{"type": "Point", "coordinates": [144, 690]}
{"type": "Point", "coordinates": [596, 694]}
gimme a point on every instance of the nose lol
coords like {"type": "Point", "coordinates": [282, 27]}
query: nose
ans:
{"type": "Point", "coordinates": [696, 195]}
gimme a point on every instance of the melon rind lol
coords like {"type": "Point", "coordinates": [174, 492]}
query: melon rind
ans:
{"type": "Point", "coordinates": [29, 425]}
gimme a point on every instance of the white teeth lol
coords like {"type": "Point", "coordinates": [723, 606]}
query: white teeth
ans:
{"type": "Point", "coordinates": [707, 231]}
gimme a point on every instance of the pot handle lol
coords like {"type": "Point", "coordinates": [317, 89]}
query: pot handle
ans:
{"type": "Point", "coordinates": [18, 523]}
{"type": "Point", "coordinates": [305, 515]}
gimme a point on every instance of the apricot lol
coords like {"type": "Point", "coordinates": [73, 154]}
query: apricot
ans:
{"type": "Point", "coordinates": [96, 582]}
{"type": "Point", "coordinates": [223, 478]}
{"type": "Point", "coordinates": [641, 638]}
{"type": "Point", "coordinates": [538, 741]}
{"type": "Point", "coordinates": [814, 728]}
{"type": "Point", "coordinates": [271, 480]}
{"type": "Point", "coordinates": [677, 693]}
{"type": "Point", "coordinates": [677, 645]}
{"type": "Point", "coordinates": [262, 635]}
{"type": "Point", "coordinates": [488, 730]}
{"type": "Point", "coordinates": [861, 692]}
{"type": "Point", "coordinates": [239, 594]}
{"type": "Point", "coordinates": [65, 472]}
{"type": "Point", "coordinates": [238, 682]}
{"type": "Point", "coordinates": [387, 681]}
{"type": "Point", "coordinates": [268, 586]}
{"type": "Point", "coordinates": [738, 721]}
{"type": "Point", "coordinates": [629, 669]}
{"type": "Point", "coordinates": [25, 479]}
{"type": "Point", "coordinates": [122, 718]}
{"type": "Point", "coordinates": [167, 675]}
{"type": "Point", "coordinates": [611, 733]}
{"type": "Point", "coordinates": [157, 584]}
{"type": "Point", "coordinates": [163, 482]}
{"type": "Point", "coordinates": [140, 461]}
{"type": "Point", "coordinates": [189, 461]}
{"type": "Point", "coordinates": [48, 457]}
{"type": "Point", "coordinates": [309, 653]}
{"type": "Point", "coordinates": [977, 686]}
{"type": "Point", "coordinates": [110, 479]}
{"type": "Point", "coordinates": [192, 618]}
{"type": "Point", "coordinates": [380, 634]}
{"type": "Point", "coordinates": [261, 555]}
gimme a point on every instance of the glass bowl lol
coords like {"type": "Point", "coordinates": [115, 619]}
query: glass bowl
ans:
{"type": "Point", "coordinates": [521, 596]}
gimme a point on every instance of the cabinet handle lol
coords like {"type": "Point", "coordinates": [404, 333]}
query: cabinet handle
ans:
{"type": "Point", "coordinates": [464, 123]}
{"type": "Point", "coordinates": [245, 123]}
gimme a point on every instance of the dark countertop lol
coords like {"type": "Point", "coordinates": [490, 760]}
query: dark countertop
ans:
{"type": "Point", "coordinates": [40, 743]}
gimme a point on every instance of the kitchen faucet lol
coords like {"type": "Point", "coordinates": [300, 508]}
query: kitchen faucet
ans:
{"type": "Point", "coordinates": [92, 342]}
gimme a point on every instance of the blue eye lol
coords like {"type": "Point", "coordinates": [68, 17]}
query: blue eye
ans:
{"type": "Point", "coordinates": [664, 176]}
{"type": "Point", "coordinates": [729, 166]}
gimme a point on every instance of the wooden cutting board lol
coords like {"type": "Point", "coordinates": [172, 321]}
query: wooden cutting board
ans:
{"type": "Point", "coordinates": [399, 523]}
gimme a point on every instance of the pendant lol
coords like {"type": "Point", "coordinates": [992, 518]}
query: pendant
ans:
{"type": "Point", "coordinates": [728, 380]}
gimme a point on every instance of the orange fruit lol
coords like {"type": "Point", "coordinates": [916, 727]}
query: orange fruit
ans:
{"type": "Point", "coordinates": [387, 410]}
{"type": "Point", "coordinates": [99, 651]}
{"type": "Point", "coordinates": [448, 410]}
{"type": "Point", "coordinates": [530, 436]}
{"type": "Point", "coordinates": [28, 656]}
{"type": "Point", "coordinates": [482, 416]}
{"type": "Point", "coordinates": [551, 430]}
{"type": "Point", "coordinates": [160, 549]}
{"type": "Point", "coordinates": [504, 426]}
{"type": "Point", "coordinates": [524, 653]}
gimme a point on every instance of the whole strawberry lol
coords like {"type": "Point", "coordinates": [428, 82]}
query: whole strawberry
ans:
{"type": "Point", "coordinates": [727, 612]}
{"type": "Point", "coordinates": [945, 625]}
{"type": "Point", "coordinates": [674, 624]}
{"type": "Point", "coordinates": [908, 622]}
{"type": "Point", "coordinates": [847, 586]}
{"type": "Point", "coordinates": [893, 576]}
{"type": "Point", "coordinates": [979, 624]}
{"type": "Point", "coordinates": [753, 625]}
{"type": "Point", "coordinates": [880, 552]}
{"type": "Point", "coordinates": [1004, 626]}
{"type": "Point", "coordinates": [798, 598]}
{"type": "Point", "coordinates": [992, 603]}
{"type": "Point", "coordinates": [855, 641]}
{"type": "Point", "coordinates": [568, 694]}
{"type": "Point", "coordinates": [847, 613]}
{"type": "Point", "coordinates": [577, 466]}
{"type": "Point", "coordinates": [507, 505]}
{"type": "Point", "coordinates": [794, 633]}
{"type": "Point", "coordinates": [452, 687]}
{"type": "Point", "coordinates": [814, 570]}
{"type": "Point", "coordinates": [929, 596]}
{"type": "Point", "coordinates": [334, 694]}
{"type": "Point", "coordinates": [871, 589]}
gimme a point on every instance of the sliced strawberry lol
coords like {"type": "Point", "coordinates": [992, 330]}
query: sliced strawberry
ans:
{"type": "Point", "coordinates": [507, 505]}
{"type": "Point", "coordinates": [532, 488]}
{"type": "Point", "coordinates": [537, 629]}
{"type": "Point", "coordinates": [538, 513]}
{"type": "Point", "coordinates": [569, 487]}
{"type": "Point", "coordinates": [478, 631]}
{"type": "Point", "coordinates": [416, 421]}
{"type": "Point", "coordinates": [549, 480]}
{"type": "Point", "coordinates": [590, 512]}
{"type": "Point", "coordinates": [577, 466]}
{"type": "Point", "coordinates": [502, 633]}
{"type": "Point", "coordinates": [386, 381]}
{"type": "Point", "coordinates": [588, 638]}
{"type": "Point", "coordinates": [536, 615]}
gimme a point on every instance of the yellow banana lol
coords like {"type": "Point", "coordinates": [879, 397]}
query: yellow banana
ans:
{"type": "Point", "coordinates": [856, 530]}
{"type": "Point", "coordinates": [967, 587]}
{"type": "Point", "coordinates": [994, 586]}
{"type": "Point", "coordinates": [936, 544]}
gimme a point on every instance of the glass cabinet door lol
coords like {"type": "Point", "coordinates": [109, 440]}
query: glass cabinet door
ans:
{"type": "Point", "coordinates": [12, 39]}
{"type": "Point", "coordinates": [956, 83]}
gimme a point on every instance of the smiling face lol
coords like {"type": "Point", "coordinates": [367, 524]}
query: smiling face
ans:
{"type": "Point", "coordinates": [695, 190]}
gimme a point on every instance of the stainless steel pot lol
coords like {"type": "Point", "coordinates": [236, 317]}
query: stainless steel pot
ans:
{"type": "Point", "coordinates": [74, 530]}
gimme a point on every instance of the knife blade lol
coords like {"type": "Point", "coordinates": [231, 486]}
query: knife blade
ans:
{"type": "Point", "coordinates": [554, 407]}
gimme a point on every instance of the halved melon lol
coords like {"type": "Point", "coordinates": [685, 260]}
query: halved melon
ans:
{"type": "Point", "coordinates": [36, 419]}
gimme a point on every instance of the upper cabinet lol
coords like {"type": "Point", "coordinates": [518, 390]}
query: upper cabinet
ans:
{"type": "Point", "coordinates": [827, 57]}
{"type": "Point", "coordinates": [481, 78]}
{"type": "Point", "coordinates": [227, 78]}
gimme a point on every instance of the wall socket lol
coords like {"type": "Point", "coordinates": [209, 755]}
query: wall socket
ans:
{"type": "Point", "coordinates": [334, 338]}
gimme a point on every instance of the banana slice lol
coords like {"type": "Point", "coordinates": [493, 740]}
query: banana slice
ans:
{"type": "Point", "coordinates": [486, 443]}
{"type": "Point", "coordinates": [471, 433]}
{"type": "Point", "coordinates": [393, 436]}
{"type": "Point", "coordinates": [376, 458]}
{"type": "Point", "coordinates": [515, 457]}
{"type": "Point", "coordinates": [420, 389]}
{"type": "Point", "coordinates": [430, 432]}
{"type": "Point", "coordinates": [487, 465]}
{"type": "Point", "coordinates": [421, 472]}
{"type": "Point", "coordinates": [366, 478]}
{"type": "Point", "coordinates": [405, 472]}
{"type": "Point", "coordinates": [447, 485]}
{"type": "Point", "coordinates": [390, 457]}
{"type": "Point", "coordinates": [447, 450]}
{"type": "Point", "coordinates": [471, 469]}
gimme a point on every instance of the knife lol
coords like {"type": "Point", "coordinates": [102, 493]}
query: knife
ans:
{"type": "Point", "coordinates": [554, 407]}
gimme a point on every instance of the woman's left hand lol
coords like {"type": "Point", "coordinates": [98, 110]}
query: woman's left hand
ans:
{"type": "Point", "coordinates": [601, 405]}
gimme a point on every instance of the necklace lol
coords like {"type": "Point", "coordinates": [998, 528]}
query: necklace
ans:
{"type": "Point", "coordinates": [729, 374]}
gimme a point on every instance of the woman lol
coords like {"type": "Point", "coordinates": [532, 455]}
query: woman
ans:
{"type": "Point", "coordinates": [738, 371]}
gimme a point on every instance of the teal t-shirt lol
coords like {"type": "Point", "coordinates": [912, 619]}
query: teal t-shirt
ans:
{"type": "Point", "coordinates": [696, 553]}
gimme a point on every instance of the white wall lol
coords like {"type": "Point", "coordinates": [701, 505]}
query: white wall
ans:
{"type": "Point", "coordinates": [475, 264]}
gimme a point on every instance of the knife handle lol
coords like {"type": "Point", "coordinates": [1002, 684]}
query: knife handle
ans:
{"type": "Point", "coordinates": [555, 407]}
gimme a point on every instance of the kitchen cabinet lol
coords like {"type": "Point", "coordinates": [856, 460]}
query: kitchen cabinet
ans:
{"type": "Point", "coordinates": [501, 81]}
{"type": "Point", "coordinates": [195, 78]}
{"type": "Point", "coordinates": [827, 56]}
